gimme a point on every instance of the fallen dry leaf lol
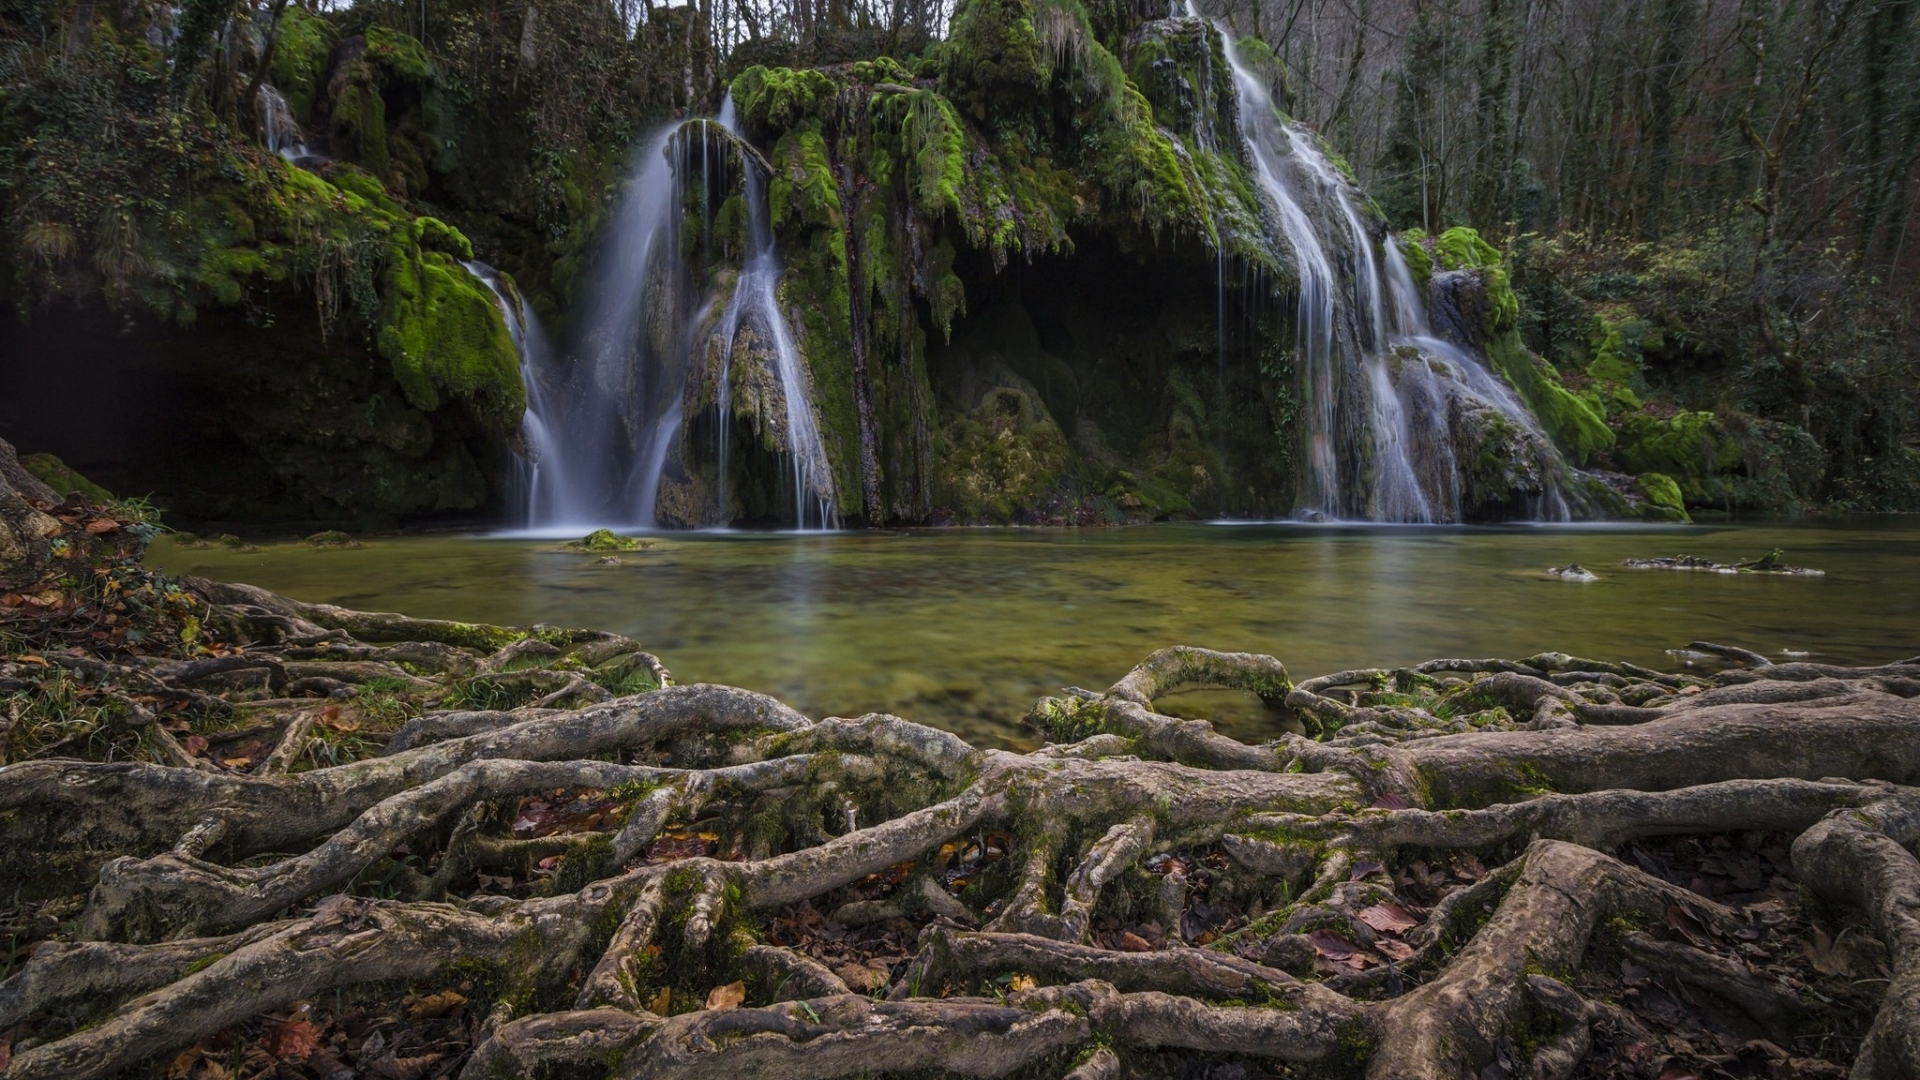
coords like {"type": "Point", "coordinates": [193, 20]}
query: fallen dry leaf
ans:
{"type": "Point", "coordinates": [1132, 942]}
{"type": "Point", "coordinates": [435, 1006]}
{"type": "Point", "coordinates": [1332, 945]}
{"type": "Point", "coordinates": [294, 1040]}
{"type": "Point", "coordinates": [1388, 918]}
{"type": "Point", "coordinates": [182, 1066]}
{"type": "Point", "coordinates": [662, 1002]}
{"type": "Point", "coordinates": [1682, 922]}
{"type": "Point", "coordinates": [1392, 800]}
{"type": "Point", "coordinates": [1021, 982]}
{"type": "Point", "coordinates": [194, 745]}
{"type": "Point", "coordinates": [102, 525]}
{"type": "Point", "coordinates": [729, 996]}
{"type": "Point", "coordinates": [1394, 949]}
{"type": "Point", "coordinates": [1829, 955]}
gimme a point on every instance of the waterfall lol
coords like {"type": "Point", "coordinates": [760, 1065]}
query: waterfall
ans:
{"type": "Point", "coordinates": [615, 410]}
{"type": "Point", "coordinates": [281, 131]}
{"type": "Point", "coordinates": [533, 488]}
{"type": "Point", "coordinates": [1383, 395]}
{"type": "Point", "coordinates": [756, 295]}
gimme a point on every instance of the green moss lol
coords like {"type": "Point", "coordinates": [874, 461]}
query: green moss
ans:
{"type": "Point", "coordinates": [935, 140]}
{"type": "Point", "coordinates": [1003, 458]}
{"type": "Point", "coordinates": [441, 329]}
{"type": "Point", "coordinates": [1462, 248]}
{"type": "Point", "coordinates": [1662, 498]}
{"type": "Point", "coordinates": [303, 43]}
{"type": "Point", "coordinates": [1419, 261]}
{"type": "Point", "coordinates": [61, 477]}
{"type": "Point", "coordinates": [1616, 354]}
{"type": "Point", "coordinates": [432, 234]}
{"type": "Point", "coordinates": [776, 99]}
{"type": "Point", "coordinates": [1573, 424]}
{"type": "Point", "coordinates": [1690, 447]}
{"type": "Point", "coordinates": [398, 53]}
{"type": "Point", "coordinates": [608, 540]}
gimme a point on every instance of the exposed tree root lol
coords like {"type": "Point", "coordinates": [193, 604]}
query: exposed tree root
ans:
{"type": "Point", "coordinates": [631, 883]}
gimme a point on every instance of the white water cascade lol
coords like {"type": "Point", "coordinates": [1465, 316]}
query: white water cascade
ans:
{"type": "Point", "coordinates": [611, 411]}
{"type": "Point", "coordinates": [533, 489]}
{"type": "Point", "coordinates": [756, 300]}
{"type": "Point", "coordinates": [1382, 392]}
{"type": "Point", "coordinates": [281, 131]}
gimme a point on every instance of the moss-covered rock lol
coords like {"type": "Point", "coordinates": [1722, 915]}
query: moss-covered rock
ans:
{"type": "Point", "coordinates": [1001, 461]}
{"type": "Point", "coordinates": [442, 330]}
{"type": "Point", "coordinates": [1690, 447]}
{"type": "Point", "coordinates": [63, 479]}
{"type": "Point", "coordinates": [1660, 498]}
{"type": "Point", "coordinates": [1468, 306]}
{"type": "Point", "coordinates": [303, 43]}
{"type": "Point", "coordinates": [602, 540]}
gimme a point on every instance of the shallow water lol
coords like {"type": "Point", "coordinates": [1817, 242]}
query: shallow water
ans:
{"type": "Point", "coordinates": [964, 628]}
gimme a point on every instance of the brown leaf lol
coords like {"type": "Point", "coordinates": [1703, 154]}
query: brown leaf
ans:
{"type": "Point", "coordinates": [1021, 982]}
{"type": "Point", "coordinates": [1332, 945]}
{"type": "Point", "coordinates": [1682, 922]}
{"type": "Point", "coordinates": [195, 745]}
{"type": "Point", "coordinates": [294, 1040]}
{"type": "Point", "coordinates": [6, 1052]}
{"type": "Point", "coordinates": [1392, 800]}
{"type": "Point", "coordinates": [729, 996]}
{"type": "Point", "coordinates": [237, 762]}
{"type": "Point", "coordinates": [1388, 918]}
{"type": "Point", "coordinates": [1829, 956]}
{"type": "Point", "coordinates": [183, 1062]}
{"type": "Point", "coordinates": [1394, 949]}
{"type": "Point", "coordinates": [102, 525]}
{"type": "Point", "coordinates": [662, 1002]}
{"type": "Point", "coordinates": [1132, 942]}
{"type": "Point", "coordinates": [1364, 869]}
{"type": "Point", "coordinates": [861, 978]}
{"type": "Point", "coordinates": [435, 1006]}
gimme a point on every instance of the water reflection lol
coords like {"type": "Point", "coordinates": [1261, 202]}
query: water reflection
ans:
{"type": "Point", "coordinates": [965, 627]}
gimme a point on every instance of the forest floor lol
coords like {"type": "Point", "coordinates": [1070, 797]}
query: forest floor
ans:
{"type": "Point", "coordinates": [247, 837]}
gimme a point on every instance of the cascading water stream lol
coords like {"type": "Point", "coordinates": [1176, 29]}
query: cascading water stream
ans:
{"type": "Point", "coordinates": [612, 411]}
{"type": "Point", "coordinates": [756, 295]}
{"type": "Point", "coordinates": [1381, 390]}
{"type": "Point", "coordinates": [537, 446]}
{"type": "Point", "coordinates": [280, 130]}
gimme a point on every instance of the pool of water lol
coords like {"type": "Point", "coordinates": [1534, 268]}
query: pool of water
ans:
{"type": "Point", "coordinates": [964, 628]}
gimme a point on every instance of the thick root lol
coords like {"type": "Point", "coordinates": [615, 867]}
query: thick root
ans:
{"type": "Point", "coordinates": [698, 881]}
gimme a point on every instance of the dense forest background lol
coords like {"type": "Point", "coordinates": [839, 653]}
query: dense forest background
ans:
{"type": "Point", "coordinates": [1706, 208]}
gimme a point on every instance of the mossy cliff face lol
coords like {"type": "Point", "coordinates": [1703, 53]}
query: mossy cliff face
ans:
{"type": "Point", "coordinates": [940, 227]}
{"type": "Point", "coordinates": [1626, 391]}
{"type": "Point", "coordinates": [343, 365]}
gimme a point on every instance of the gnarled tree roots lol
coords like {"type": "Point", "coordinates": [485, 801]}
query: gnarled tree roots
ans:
{"type": "Point", "coordinates": [1438, 878]}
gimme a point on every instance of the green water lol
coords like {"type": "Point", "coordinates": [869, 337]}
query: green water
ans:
{"type": "Point", "coordinates": [964, 628]}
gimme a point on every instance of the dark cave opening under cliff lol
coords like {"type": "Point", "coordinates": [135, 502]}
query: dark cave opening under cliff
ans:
{"type": "Point", "coordinates": [240, 422]}
{"type": "Point", "coordinates": [1143, 360]}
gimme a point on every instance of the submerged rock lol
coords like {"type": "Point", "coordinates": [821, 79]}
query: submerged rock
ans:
{"type": "Point", "coordinates": [1770, 563]}
{"type": "Point", "coordinates": [1572, 572]}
